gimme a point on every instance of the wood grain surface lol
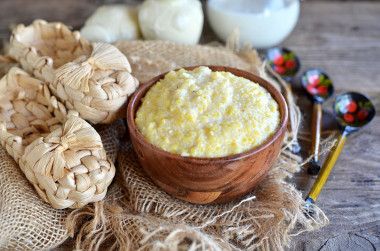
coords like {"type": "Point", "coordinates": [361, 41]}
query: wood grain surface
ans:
{"type": "Point", "coordinates": [341, 37]}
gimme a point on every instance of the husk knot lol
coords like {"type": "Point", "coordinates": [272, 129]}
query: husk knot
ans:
{"type": "Point", "coordinates": [105, 57]}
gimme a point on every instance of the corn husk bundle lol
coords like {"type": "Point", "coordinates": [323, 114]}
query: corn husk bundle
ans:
{"type": "Point", "coordinates": [136, 215]}
{"type": "Point", "coordinates": [92, 78]}
{"type": "Point", "coordinates": [60, 153]}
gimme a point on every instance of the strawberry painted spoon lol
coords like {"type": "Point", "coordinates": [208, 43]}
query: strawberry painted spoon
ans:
{"type": "Point", "coordinates": [353, 111]}
{"type": "Point", "coordinates": [319, 88]}
{"type": "Point", "coordinates": [285, 63]}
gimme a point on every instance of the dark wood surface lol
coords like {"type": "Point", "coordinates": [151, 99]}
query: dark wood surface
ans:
{"type": "Point", "coordinates": [341, 37]}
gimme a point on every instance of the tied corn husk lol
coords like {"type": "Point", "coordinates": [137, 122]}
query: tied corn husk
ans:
{"type": "Point", "coordinates": [92, 78]}
{"type": "Point", "coordinates": [60, 153]}
{"type": "Point", "coordinates": [136, 214]}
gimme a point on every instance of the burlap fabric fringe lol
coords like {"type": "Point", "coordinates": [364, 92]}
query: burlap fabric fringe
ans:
{"type": "Point", "coordinates": [146, 218]}
{"type": "Point", "coordinates": [136, 215]}
{"type": "Point", "coordinates": [26, 221]}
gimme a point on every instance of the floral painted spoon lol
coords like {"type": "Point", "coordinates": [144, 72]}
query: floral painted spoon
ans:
{"type": "Point", "coordinates": [318, 87]}
{"type": "Point", "coordinates": [285, 62]}
{"type": "Point", "coordinates": [352, 110]}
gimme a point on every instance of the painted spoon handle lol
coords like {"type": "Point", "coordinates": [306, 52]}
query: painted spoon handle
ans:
{"type": "Point", "coordinates": [314, 165]}
{"type": "Point", "coordinates": [326, 169]}
{"type": "Point", "coordinates": [292, 125]}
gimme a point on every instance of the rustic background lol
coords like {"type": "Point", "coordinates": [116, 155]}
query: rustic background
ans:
{"type": "Point", "coordinates": [341, 37]}
{"type": "Point", "coordinates": [344, 39]}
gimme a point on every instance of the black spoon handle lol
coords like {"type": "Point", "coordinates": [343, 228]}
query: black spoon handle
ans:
{"type": "Point", "coordinates": [314, 165]}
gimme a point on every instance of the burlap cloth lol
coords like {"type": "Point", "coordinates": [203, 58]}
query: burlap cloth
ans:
{"type": "Point", "coordinates": [136, 214]}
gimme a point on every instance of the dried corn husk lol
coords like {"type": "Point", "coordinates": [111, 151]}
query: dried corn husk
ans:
{"type": "Point", "coordinates": [136, 215]}
{"type": "Point", "coordinates": [60, 153]}
{"type": "Point", "coordinates": [92, 78]}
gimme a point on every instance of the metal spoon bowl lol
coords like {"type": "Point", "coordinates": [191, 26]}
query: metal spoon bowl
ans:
{"type": "Point", "coordinates": [319, 87]}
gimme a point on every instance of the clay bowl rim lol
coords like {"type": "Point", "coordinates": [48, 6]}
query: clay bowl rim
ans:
{"type": "Point", "coordinates": [135, 103]}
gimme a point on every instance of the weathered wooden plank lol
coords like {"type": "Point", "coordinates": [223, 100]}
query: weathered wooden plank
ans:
{"type": "Point", "coordinates": [344, 39]}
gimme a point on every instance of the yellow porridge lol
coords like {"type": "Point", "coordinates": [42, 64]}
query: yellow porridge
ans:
{"type": "Point", "coordinates": [201, 113]}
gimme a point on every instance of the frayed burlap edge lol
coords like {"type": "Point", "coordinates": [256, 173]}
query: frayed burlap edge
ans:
{"type": "Point", "coordinates": [96, 224]}
{"type": "Point", "coordinates": [26, 221]}
{"type": "Point", "coordinates": [127, 222]}
{"type": "Point", "coordinates": [153, 225]}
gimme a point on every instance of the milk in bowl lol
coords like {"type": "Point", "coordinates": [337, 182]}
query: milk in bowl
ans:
{"type": "Point", "coordinates": [262, 23]}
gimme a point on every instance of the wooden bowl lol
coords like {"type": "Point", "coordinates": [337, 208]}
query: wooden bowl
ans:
{"type": "Point", "coordinates": [207, 180]}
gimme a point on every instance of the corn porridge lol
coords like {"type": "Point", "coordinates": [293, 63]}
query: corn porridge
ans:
{"type": "Point", "coordinates": [201, 113]}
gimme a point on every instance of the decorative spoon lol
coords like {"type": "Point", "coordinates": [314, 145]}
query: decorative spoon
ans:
{"type": "Point", "coordinates": [352, 111]}
{"type": "Point", "coordinates": [319, 88]}
{"type": "Point", "coordinates": [285, 62]}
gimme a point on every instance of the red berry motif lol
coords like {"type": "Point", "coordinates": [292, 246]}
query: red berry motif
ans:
{"type": "Point", "coordinates": [348, 117]}
{"type": "Point", "coordinates": [362, 114]}
{"type": "Point", "coordinates": [312, 90]}
{"type": "Point", "coordinates": [351, 106]}
{"type": "Point", "coordinates": [322, 90]}
{"type": "Point", "coordinates": [314, 80]}
{"type": "Point", "coordinates": [290, 64]}
{"type": "Point", "coordinates": [278, 60]}
{"type": "Point", "coordinates": [279, 69]}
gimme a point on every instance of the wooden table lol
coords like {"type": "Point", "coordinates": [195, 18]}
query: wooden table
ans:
{"type": "Point", "coordinates": [342, 38]}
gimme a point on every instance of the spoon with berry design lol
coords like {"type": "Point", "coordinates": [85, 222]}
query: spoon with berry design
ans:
{"type": "Point", "coordinates": [285, 63]}
{"type": "Point", "coordinates": [319, 88]}
{"type": "Point", "coordinates": [352, 111]}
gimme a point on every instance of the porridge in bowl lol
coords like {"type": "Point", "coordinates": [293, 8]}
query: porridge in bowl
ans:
{"type": "Point", "coordinates": [205, 113]}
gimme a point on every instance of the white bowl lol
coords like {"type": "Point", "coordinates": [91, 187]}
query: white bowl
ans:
{"type": "Point", "coordinates": [262, 23]}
